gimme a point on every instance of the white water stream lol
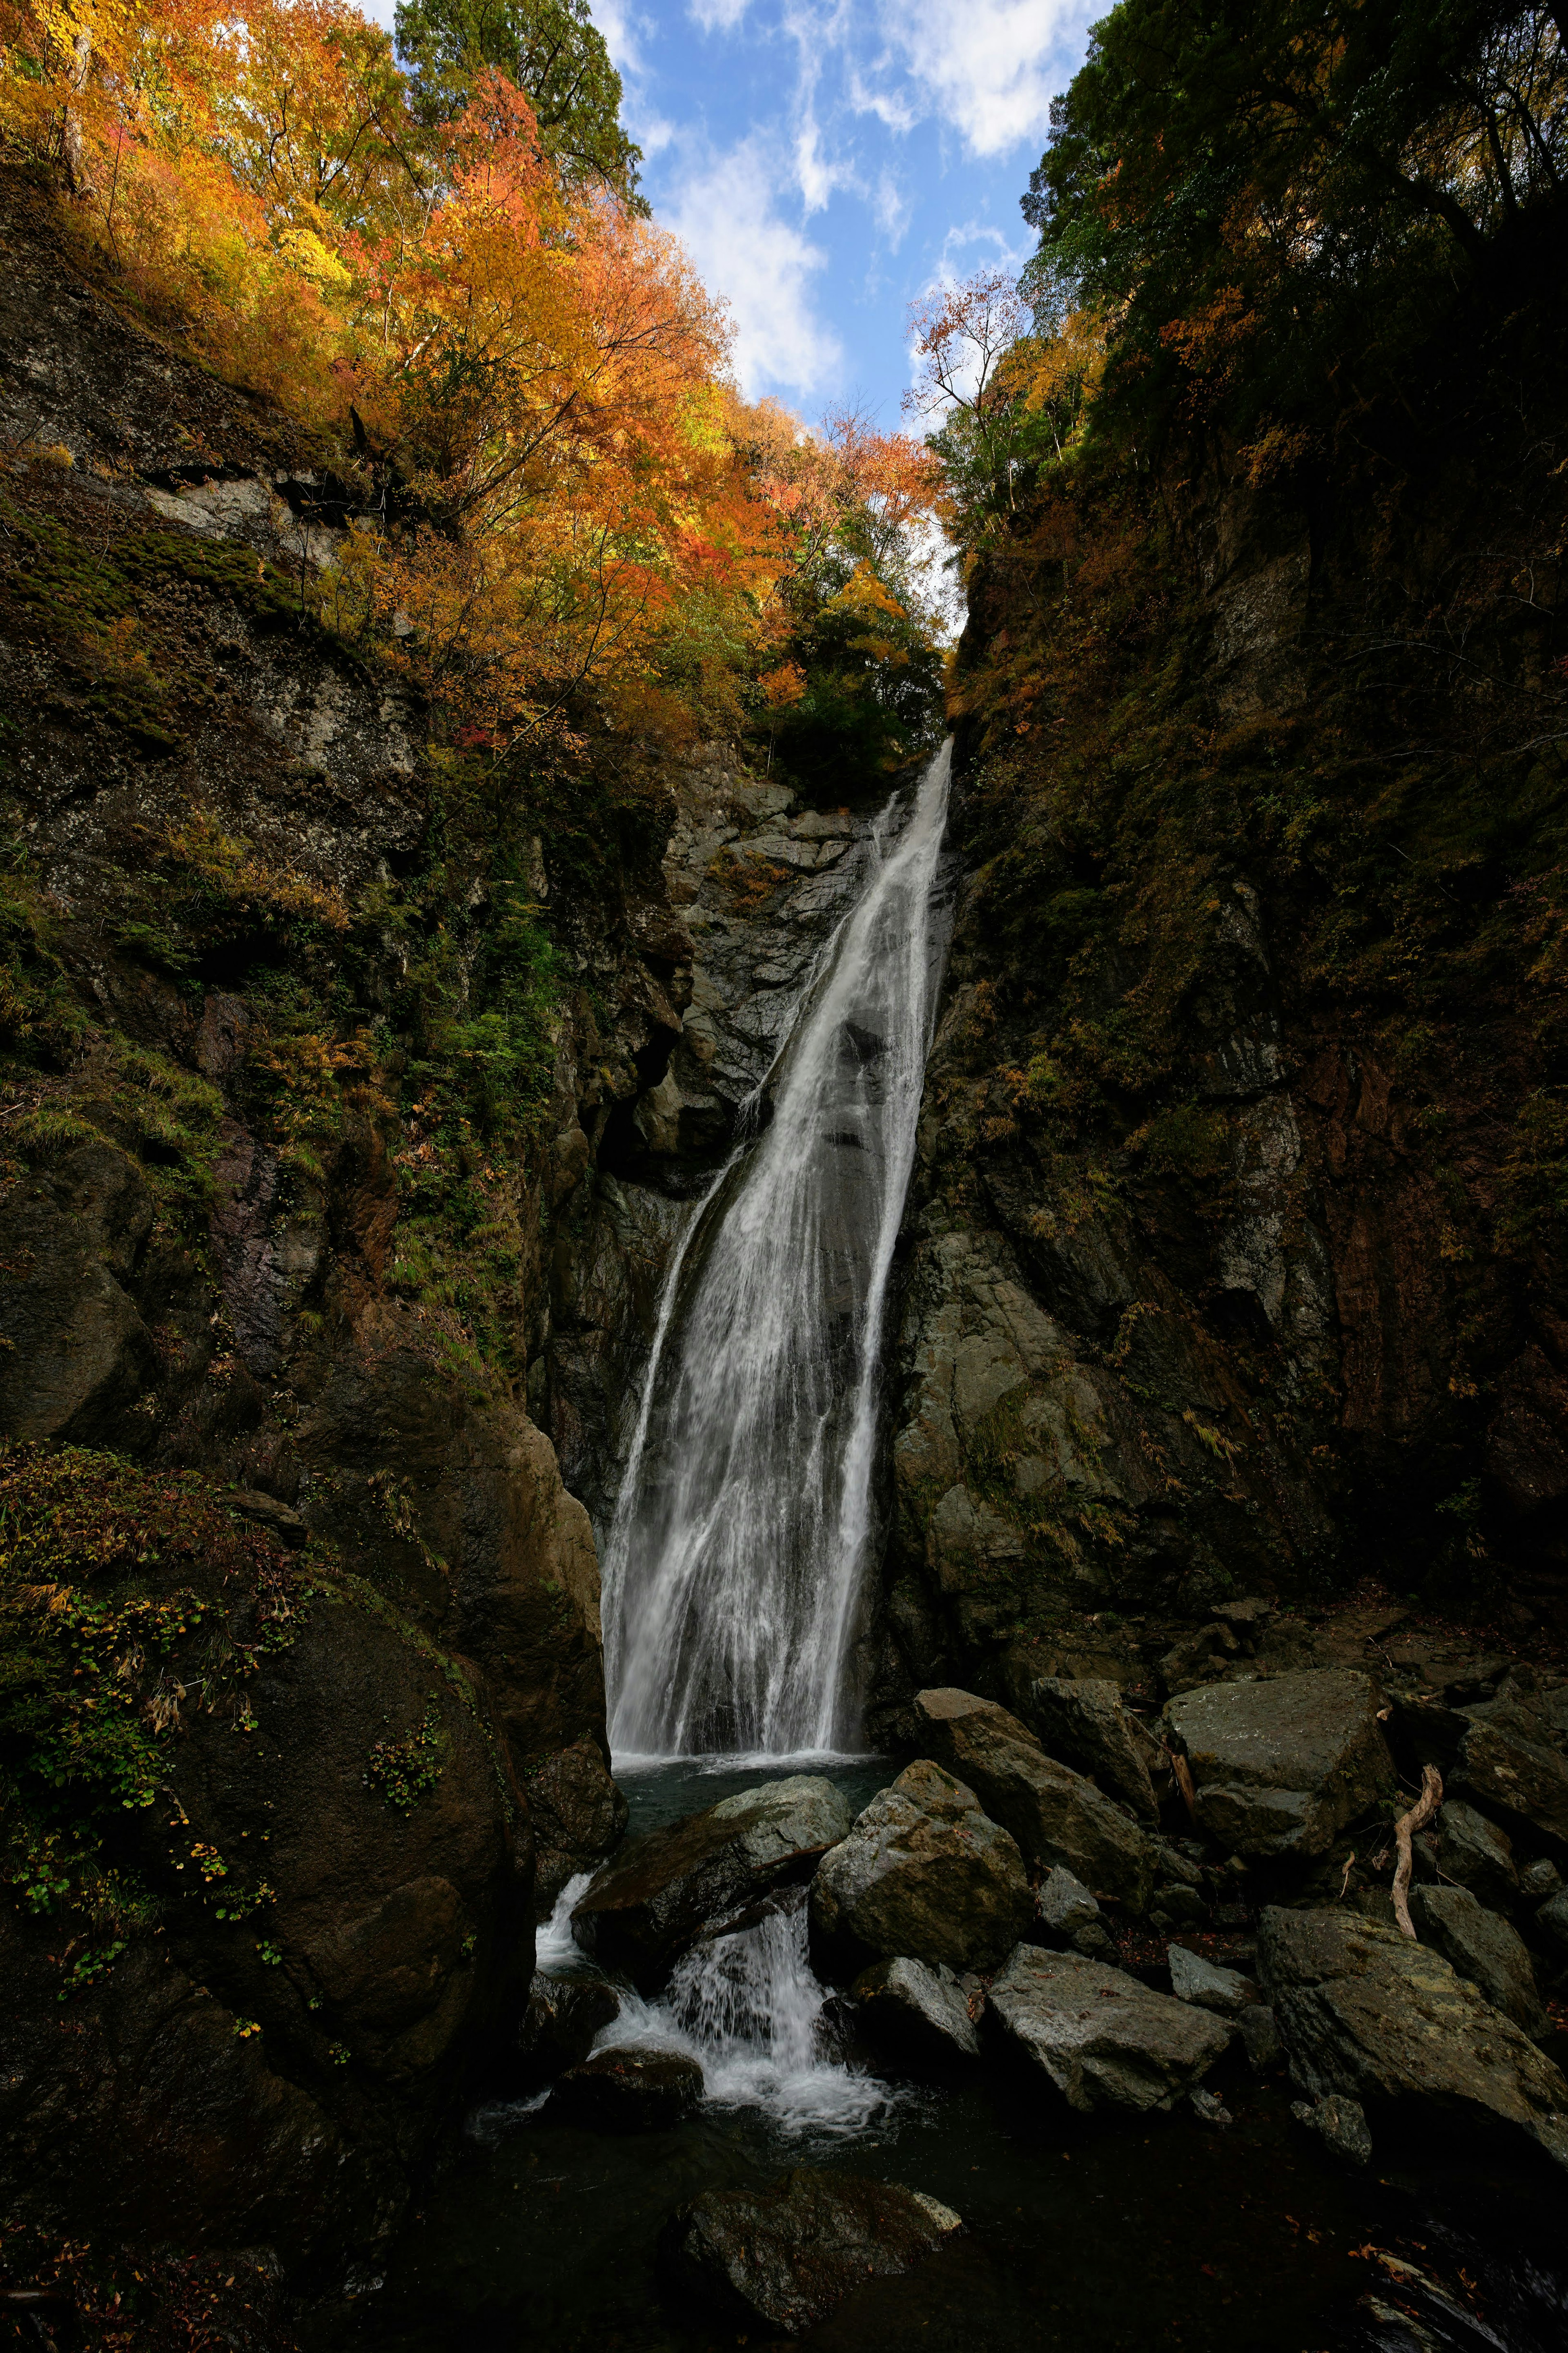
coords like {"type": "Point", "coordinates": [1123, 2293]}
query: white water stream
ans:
{"type": "Point", "coordinates": [733, 1568]}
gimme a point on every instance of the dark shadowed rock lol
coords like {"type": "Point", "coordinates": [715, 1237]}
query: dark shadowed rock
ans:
{"type": "Point", "coordinates": [579, 1817]}
{"type": "Point", "coordinates": [655, 1898]}
{"type": "Point", "coordinates": [1225, 1991]}
{"type": "Point", "coordinates": [1101, 2038]}
{"type": "Point", "coordinates": [926, 1874]}
{"type": "Point", "coordinates": [628, 2090]}
{"type": "Point", "coordinates": [1260, 2039]}
{"type": "Point", "coordinates": [1084, 1723]}
{"type": "Point", "coordinates": [1339, 2123]}
{"type": "Point", "coordinates": [782, 2257]}
{"type": "Point", "coordinates": [1282, 1764]}
{"type": "Point", "coordinates": [1056, 1815]}
{"type": "Point", "coordinates": [1474, 1854]}
{"type": "Point", "coordinates": [1483, 1948]}
{"type": "Point", "coordinates": [1363, 2009]}
{"type": "Point", "coordinates": [558, 2027]}
{"type": "Point", "coordinates": [1552, 1920]}
{"type": "Point", "coordinates": [918, 2013]}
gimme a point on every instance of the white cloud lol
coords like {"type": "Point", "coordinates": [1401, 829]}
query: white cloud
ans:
{"type": "Point", "coordinates": [725, 212]}
{"type": "Point", "coordinates": [990, 68]}
{"type": "Point", "coordinates": [717, 15]}
{"type": "Point", "coordinates": [890, 209]}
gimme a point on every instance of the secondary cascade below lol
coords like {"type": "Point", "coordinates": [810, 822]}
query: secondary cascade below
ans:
{"type": "Point", "coordinates": [734, 1567]}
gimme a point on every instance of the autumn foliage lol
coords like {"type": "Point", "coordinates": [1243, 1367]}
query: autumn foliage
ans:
{"type": "Point", "coordinates": [563, 495]}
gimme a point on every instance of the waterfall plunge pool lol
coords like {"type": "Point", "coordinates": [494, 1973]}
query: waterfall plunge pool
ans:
{"type": "Point", "coordinates": [1153, 2234]}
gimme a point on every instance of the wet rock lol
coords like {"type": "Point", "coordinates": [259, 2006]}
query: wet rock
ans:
{"type": "Point", "coordinates": [783, 2256]}
{"type": "Point", "coordinates": [920, 2013]}
{"type": "Point", "coordinates": [1260, 2039]}
{"type": "Point", "coordinates": [1506, 1765]}
{"type": "Point", "coordinates": [1340, 2123]}
{"type": "Point", "coordinates": [924, 1873]}
{"type": "Point", "coordinates": [1474, 1854]}
{"type": "Point", "coordinates": [1101, 2038]}
{"type": "Point", "coordinates": [578, 1815]}
{"type": "Point", "coordinates": [1368, 2011]}
{"type": "Point", "coordinates": [627, 2090]}
{"type": "Point", "coordinates": [1225, 1991]}
{"type": "Point", "coordinates": [1057, 1816]}
{"type": "Point", "coordinates": [558, 2027]}
{"type": "Point", "coordinates": [1177, 1907]}
{"type": "Point", "coordinates": [1085, 1724]}
{"type": "Point", "coordinates": [1483, 1948]}
{"type": "Point", "coordinates": [657, 1897]}
{"type": "Point", "coordinates": [1281, 1765]}
{"type": "Point", "coordinates": [75, 1354]}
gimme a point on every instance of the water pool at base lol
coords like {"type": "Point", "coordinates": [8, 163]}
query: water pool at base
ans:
{"type": "Point", "coordinates": [1096, 2234]}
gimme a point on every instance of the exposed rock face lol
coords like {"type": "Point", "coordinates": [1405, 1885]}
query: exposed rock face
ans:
{"type": "Point", "coordinates": [1057, 1816]}
{"type": "Point", "coordinates": [918, 2013]}
{"type": "Point", "coordinates": [1099, 2037]}
{"type": "Point", "coordinates": [1084, 1723]}
{"type": "Point", "coordinates": [578, 1815]}
{"type": "Point", "coordinates": [923, 1873]}
{"type": "Point", "coordinates": [627, 2090]}
{"type": "Point", "coordinates": [1482, 1947]}
{"type": "Point", "coordinates": [1364, 2010]}
{"type": "Point", "coordinates": [658, 1897]}
{"type": "Point", "coordinates": [784, 2256]}
{"type": "Point", "coordinates": [1281, 1765]}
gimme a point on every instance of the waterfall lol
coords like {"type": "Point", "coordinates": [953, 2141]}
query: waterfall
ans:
{"type": "Point", "coordinates": [733, 1565]}
{"type": "Point", "coordinates": [749, 2009]}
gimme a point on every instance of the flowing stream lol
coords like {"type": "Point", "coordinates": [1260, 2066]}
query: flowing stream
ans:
{"type": "Point", "coordinates": [734, 1564]}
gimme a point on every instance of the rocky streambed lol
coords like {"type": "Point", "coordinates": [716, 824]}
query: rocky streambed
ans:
{"type": "Point", "coordinates": [1081, 2028]}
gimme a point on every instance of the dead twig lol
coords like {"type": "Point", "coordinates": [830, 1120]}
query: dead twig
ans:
{"type": "Point", "coordinates": [1344, 1883]}
{"type": "Point", "coordinates": [1405, 1829]}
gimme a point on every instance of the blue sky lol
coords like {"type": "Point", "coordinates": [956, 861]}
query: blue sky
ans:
{"type": "Point", "coordinates": [826, 162]}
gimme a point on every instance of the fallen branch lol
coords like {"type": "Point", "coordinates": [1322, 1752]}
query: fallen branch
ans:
{"type": "Point", "coordinates": [1405, 1829]}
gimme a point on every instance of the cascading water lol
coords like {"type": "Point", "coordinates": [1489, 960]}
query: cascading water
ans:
{"type": "Point", "coordinates": [733, 1565]}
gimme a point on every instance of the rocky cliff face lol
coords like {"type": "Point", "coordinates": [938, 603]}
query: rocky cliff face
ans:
{"type": "Point", "coordinates": [1236, 1259]}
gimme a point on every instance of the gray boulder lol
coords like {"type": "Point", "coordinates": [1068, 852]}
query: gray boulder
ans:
{"type": "Point", "coordinates": [1483, 1948]}
{"type": "Point", "coordinates": [918, 2012]}
{"type": "Point", "coordinates": [1098, 2036]}
{"type": "Point", "coordinates": [1474, 1854]}
{"type": "Point", "coordinates": [782, 2257]}
{"type": "Point", "coordinates": [1340, 2123]}
{"type": "Point", "coordinates": [661, 1891]}
{"type": "Point", "coordinates": [1056, 1815]}
{"type": "Point", "coordinates": [629, 2090]}
{"type": "Point", "coordinates": [1085, 1723]}
{"type": "Point", "coordinates": [926, 1874]}
{"type": "Point", "coordinates": [1225, 1991]}
{"type": "Point", "coordinates": [1508, 1765]}
{"type": "Point", "coordinates": [1363, 2009]}
{"type": "Point", "coordinates": [1068, 1914]}
{"type": "Point", "coordinates": [1281, 1766]}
